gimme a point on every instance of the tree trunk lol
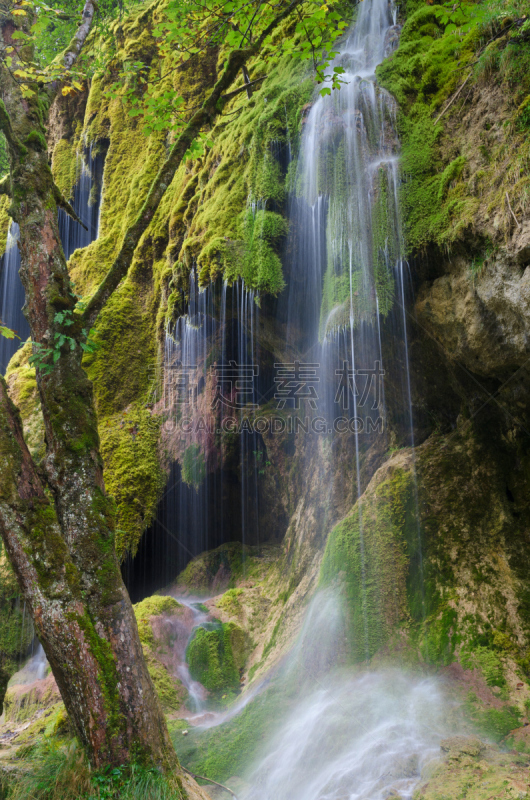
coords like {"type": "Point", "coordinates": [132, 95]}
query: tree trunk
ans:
{"type": "Point", "coordinates": [58, 523]}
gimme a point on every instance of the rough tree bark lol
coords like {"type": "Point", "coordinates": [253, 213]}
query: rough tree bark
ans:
{"type": "Point", "coordinates": [56, 520]}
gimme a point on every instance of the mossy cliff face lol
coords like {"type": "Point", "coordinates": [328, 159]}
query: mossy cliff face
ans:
{"type": "Point", "coordinates": [473, 769]}
{"type": "Point", "coordinates": [460, 163]}
{"type": "Point", "coordinates": [366, 555]}
{"type": "Point", "coordinates": [4, 223]}
{"type": "Point", "coordinates": [204, 223]}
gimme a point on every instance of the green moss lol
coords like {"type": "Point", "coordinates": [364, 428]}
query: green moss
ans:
{"type": "Point", "coordinates": [421, 75]}
{"type": "Point", "coordinates": [494, 723]}
{"type": "Point", "coordinates": [439, 637]}
{"type": "Point", "coordinates": [66, 165]}
{"type": "Point", "coordinates": [22, 381]}
{"type": "Point", "coordinates": [441, 198]}
{"type": "Point", "coordinates": [366, 555]}
{"type": "Point", "coordinates": [193, 466]}
{"type": "Point", "coordinates": [169, 689]}
{"type": "Point", "coordinates": [108, 677]}
{"type": "Point", "coordinates": [4, 222]}
{"type": "Point", "coordinates": [237, 561]}
{"type": "Point", "coordinates": [229, 601]}
{"type": "Point", "coordinates": [151, 607]}
{"type": "Point", "coordinates": [133, 475]}
{"type": "Point", "coordinates": [215, 657]}
{"type": "Point", "coordinates": [228, 749]}
{"type": "Point", "coordinates": [487, 661]}
{"type": "Point", "coordinates": [36, 141]}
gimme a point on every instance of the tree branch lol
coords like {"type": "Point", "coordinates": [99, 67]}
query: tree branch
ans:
{"type": "Point", "coordinates": [5, 186]}
{"type": "Point", "coordinates": [450, 103]}
{"type": "Point", "coordinates": [202, 778]}
{"type": "Point", "coordinates": [511, 211]}
{"type": "Point", "coordinates": [244, 88]}
{"type": "Point", "coordinates": [76, 45]}
{"type": "Point", "coordinates": [63, 203]}
{"type": "Point", "coordinates": [209, 110]}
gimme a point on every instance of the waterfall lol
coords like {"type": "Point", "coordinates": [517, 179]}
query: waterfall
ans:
{"type": "Point", "coordinates": [363, 738]}
{"type": "Point", "coordinates": [86, 203]}
{"type": "Point", "coordinates": [12, 298]}
{"type": "Point", "coordinates": [347, 284]}
{"type": "Point", "coordinates": [210, 387]}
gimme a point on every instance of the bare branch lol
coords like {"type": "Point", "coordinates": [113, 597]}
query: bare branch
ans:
{"type": "Point", "coordinates": [511, 211]}
{"type": "Point", "coordinates": [244, 88]}
{"type": "Point", "coordinates": [202, 778]}
{"type": "Point", "coordinates": [76, 45]}
{"type": "Point", "coordinates": [450, 103]}
{"type": "Point", "coordinates": [63, 203]}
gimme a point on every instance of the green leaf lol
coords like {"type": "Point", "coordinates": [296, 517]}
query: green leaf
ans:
{"type": "Point", "coordinates": [8, 333]}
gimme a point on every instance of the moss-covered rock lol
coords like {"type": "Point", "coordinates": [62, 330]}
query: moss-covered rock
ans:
{"type": "Point", "coordinates": [366, 555]}
{"type": "Point", "coordinates": [216, 657]}
{"type": "Point", "coordinates": [168, 687]}
{"type": "Point", "coordinates": [475, 770]}
{"type": "Point", "coordinates": [459, 163]}
{"type": "Point", "coordinates": [219, 568]}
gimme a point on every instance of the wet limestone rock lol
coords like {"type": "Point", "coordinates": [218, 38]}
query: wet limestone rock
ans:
{"type": "Point", "coordinates": [481, 320]}
{"type": "Point", "coordinates": [477, 771]}
{"type": "Point", "coordinates": [157, 643]}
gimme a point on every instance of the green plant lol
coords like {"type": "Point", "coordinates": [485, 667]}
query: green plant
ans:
{"type": "Point", "coordinates": [55, 770]}
{"type": "Point", "coordinates": [42, 354]}
{"type": "Point", "coordinates": [7, 332]}
{"type": "Point", "coordinates": [261, 461]}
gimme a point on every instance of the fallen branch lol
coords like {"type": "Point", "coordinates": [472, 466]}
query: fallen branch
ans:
{"type": "Point", "coordinates": [202, 778]}
{"type": "Point", "coordinates": [245, 88]}
{"type": "Point", "coordinates": [63, 203]}
{"type": "Point", "coordinates": [511, 210]}
{"type": "Point", "coordinates": [450, 103]}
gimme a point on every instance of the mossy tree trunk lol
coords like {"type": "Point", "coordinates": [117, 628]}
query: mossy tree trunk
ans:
{"type": "Point", "coordinates": [57, 522]}
{"type": "Point", "coordinates": [56, 519]}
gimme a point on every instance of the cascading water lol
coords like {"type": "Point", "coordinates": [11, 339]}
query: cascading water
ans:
{"type": "Point", "coordinates": [209, 379]}
{"type": "Point", "coordinates": [363, 738]}
{"type": "Point", "coordinates": [12, 298]}
{"type": "Point", "coordinates": [348, 736]}
{"type": "Point", "coordinates": [346, 297]}
{"type": "Point", "coordinates": [86, 202]}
